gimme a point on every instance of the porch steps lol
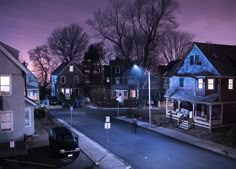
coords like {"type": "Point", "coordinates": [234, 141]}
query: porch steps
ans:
{"type": "Point", "coordinates": [185, 124]}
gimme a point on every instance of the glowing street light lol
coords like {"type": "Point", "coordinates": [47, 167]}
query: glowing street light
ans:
{"type": "Point", "coordinates": [149, 95]}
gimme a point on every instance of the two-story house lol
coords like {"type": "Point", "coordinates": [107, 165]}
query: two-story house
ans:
{"type": "Point", "coordinates": [32, 87]}
{"type": "Point", "coordinates": [16, 110]}
{"type": "Point", "coordinates": [130, 81]}
{"type": "Point", "coordinates": [68, 79]}
{"type": "Point", "coordinates": [202, 87]}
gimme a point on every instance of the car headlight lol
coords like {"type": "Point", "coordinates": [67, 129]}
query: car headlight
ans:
{"type": "Point", "coordinates": [62, 151]}
{"type": "Point", "coordinates": [77, 149]}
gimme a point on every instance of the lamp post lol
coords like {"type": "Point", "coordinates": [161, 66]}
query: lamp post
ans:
{"type": "Point", "coordinates": [149, 95]}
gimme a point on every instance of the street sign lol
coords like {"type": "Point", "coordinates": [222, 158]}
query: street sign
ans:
{"type": "Point", "coordinates": [107, 119]}
{"type": "Point", "coordinates": [107, 125]}
{"type": "Point", "coordinates": [119, 99]}
{"type": "Point", "coordinates": [12, 144]}
{"type": "Point", "coordinates": [71, 108]}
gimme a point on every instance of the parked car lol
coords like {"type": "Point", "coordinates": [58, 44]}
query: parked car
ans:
{"type": "Point", "coordinates": [63, 141]}
{"type": "Point", "coordinates": [44, 103]}
{"type": "Point", "coordinates": [54, 101]}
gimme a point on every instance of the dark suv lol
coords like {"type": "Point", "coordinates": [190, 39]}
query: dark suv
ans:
{"type": "Point", "coordinates": [63, 141]}
{"type": "Point", "coordinates": [54, 101]}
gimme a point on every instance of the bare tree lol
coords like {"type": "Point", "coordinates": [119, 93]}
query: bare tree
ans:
{"type": "Point", "coordinates": [68, 43]}
{"type": "Point", "coordinates": [43, 64]}
{"type": "Point", "coordinates": [135, 27]}
{"type": "Point", "coordinates": [174, 45]}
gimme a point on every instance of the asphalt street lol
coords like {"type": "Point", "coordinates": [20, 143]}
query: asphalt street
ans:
{"type": "Point", "coordinates": [145, 149]}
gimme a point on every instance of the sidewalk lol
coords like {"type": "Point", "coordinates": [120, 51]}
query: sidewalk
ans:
{"type": "Point", "coordinates": [97, 153]}
{"type": "Point", "coordinates": [204, 144]}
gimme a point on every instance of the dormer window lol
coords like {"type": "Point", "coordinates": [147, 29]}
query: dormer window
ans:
{"type": "Point", "coordinates": [230, 84]}
{"type": "Point", "coordinates": [71, 68]}
{"type": "Point", "coordinates": [117, 69]}
{"type": "Point", "coordinates": [200, 83]}
{"type": "Point", "coordinates": [210, 84]}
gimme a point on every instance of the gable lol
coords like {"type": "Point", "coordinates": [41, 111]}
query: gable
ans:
{"type": "Point", "coordinates": [196, 63]}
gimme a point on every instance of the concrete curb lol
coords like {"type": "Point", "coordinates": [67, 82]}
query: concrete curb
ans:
{"type": "Point", "coordinates": [197, 142]}
{"type": "Point", "coordinates": [97, 153]}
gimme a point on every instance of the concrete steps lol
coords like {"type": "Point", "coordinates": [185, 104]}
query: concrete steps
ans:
{"type": "Point", "coordinates": [185, 124]}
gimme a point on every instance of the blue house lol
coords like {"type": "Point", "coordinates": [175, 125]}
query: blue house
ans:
{"type": "Point", "coordinates": [201, 88]}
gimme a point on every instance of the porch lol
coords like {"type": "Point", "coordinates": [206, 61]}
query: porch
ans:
{"type": "Point", "coordinates": [192, 113]}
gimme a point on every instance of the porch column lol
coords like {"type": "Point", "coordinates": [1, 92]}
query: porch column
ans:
{"type": "Point", "coordinates": [193, 110]}
{"type": "Point", "coordinates": [178, 104]}
{"type": "Point", "coordinates": [221, 113]}
{"type": "Point", "coordinates": [210, 112]}
{"type": "Point", "coordinates": [166, 106]}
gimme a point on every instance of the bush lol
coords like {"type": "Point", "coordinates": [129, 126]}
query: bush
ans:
{"type": "Point", "coordinates": [40, 112]}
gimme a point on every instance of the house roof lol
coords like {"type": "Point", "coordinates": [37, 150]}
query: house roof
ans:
{"type": "Point", "coordinates": [31, 87]}
{"type": "Point", "coordinates": [11, 50]}
{"type": "Point", "coordinates": [222, 57]}
{"type": "Point", "coordinates": [172, 68]}
{"type": "Point", "coordinates": [64, 65]}
{"type": "Point", "coordinates": [30, 101]}
{"type": "Point", "coordinates": [188, 95]}
{"type": "Point", "coordinates": [12, 54]}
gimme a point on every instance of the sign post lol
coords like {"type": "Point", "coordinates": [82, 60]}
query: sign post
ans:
{"type": "Point", "coordinates": [71, 110]}
{"type": "Point", "coordinates": [107, 126]}
{"type": "Point", "coordinates": [119, 100]}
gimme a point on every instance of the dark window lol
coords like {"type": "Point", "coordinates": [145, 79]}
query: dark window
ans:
{"type": "Point", "coordinates": [181, 82]}
{"type": "Point", "coordinates": [117, 69]}
{"type": "Point", "coordinates": [191, 60]}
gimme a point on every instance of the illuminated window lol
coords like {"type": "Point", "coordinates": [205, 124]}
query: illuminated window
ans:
{"type": "Point", "coordinates": [71, 68]}
{"type": "Point", "coordinates": [63, 90]}
{"type": "Point", "coordinates": [63, 79]}
{"type": "Point", "coordinates": [108, 79]}
{"type": "Point", "coordinates": [5, 85]}
{"type": "Point", "coordinates": [230, 84]}
{"type": "Point", "coordinates": [210, 83]}
{"type": "Point", "coordinates": [76, 79]}
{"type": "Point", "coordinates": [132, 93]}
{"type": "Point", "coordinates": [200, 83]}
{"type": "Point", "coordinates": [27, 118]}
{"type": "Point", "coordinates": [6, 123]}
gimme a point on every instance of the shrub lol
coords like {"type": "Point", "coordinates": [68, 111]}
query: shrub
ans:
{"type": "Point", "coordinates": [40, 112]}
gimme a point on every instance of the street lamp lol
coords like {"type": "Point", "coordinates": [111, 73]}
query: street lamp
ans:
{"type": "Point", "coordinates": [149, 95]}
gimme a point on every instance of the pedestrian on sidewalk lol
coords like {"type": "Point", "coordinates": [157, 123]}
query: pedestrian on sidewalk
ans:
{"type": "Point", "coordinates": [135, 125]}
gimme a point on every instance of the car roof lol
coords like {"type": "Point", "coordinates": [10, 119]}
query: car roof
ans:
{"type": "Point", "coordinates": [61, 130]}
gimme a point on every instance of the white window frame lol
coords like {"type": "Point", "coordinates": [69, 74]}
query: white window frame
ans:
{"type": "Point", "coordinates": [11, 121]}
{"type": "Point", "coordinates": [76, 79]}
{"type": "Point", "coordinates": [64, 79]}
{"type": "Point", "coordinates": [231, 84]}
{"type": "Point", "coordinates": [200, 83]}
{"type": "Point", "coordinates": [71, 68]}
{"type": "Point", "coordinates": [210, 84]}
{"type": "Point", "coordinates": [27, 109]}
{"type": "Point", "coordinates": [10, 86]}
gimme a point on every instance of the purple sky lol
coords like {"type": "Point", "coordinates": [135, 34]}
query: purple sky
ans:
{"type": "Point", "coordinates": [25, 24]}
